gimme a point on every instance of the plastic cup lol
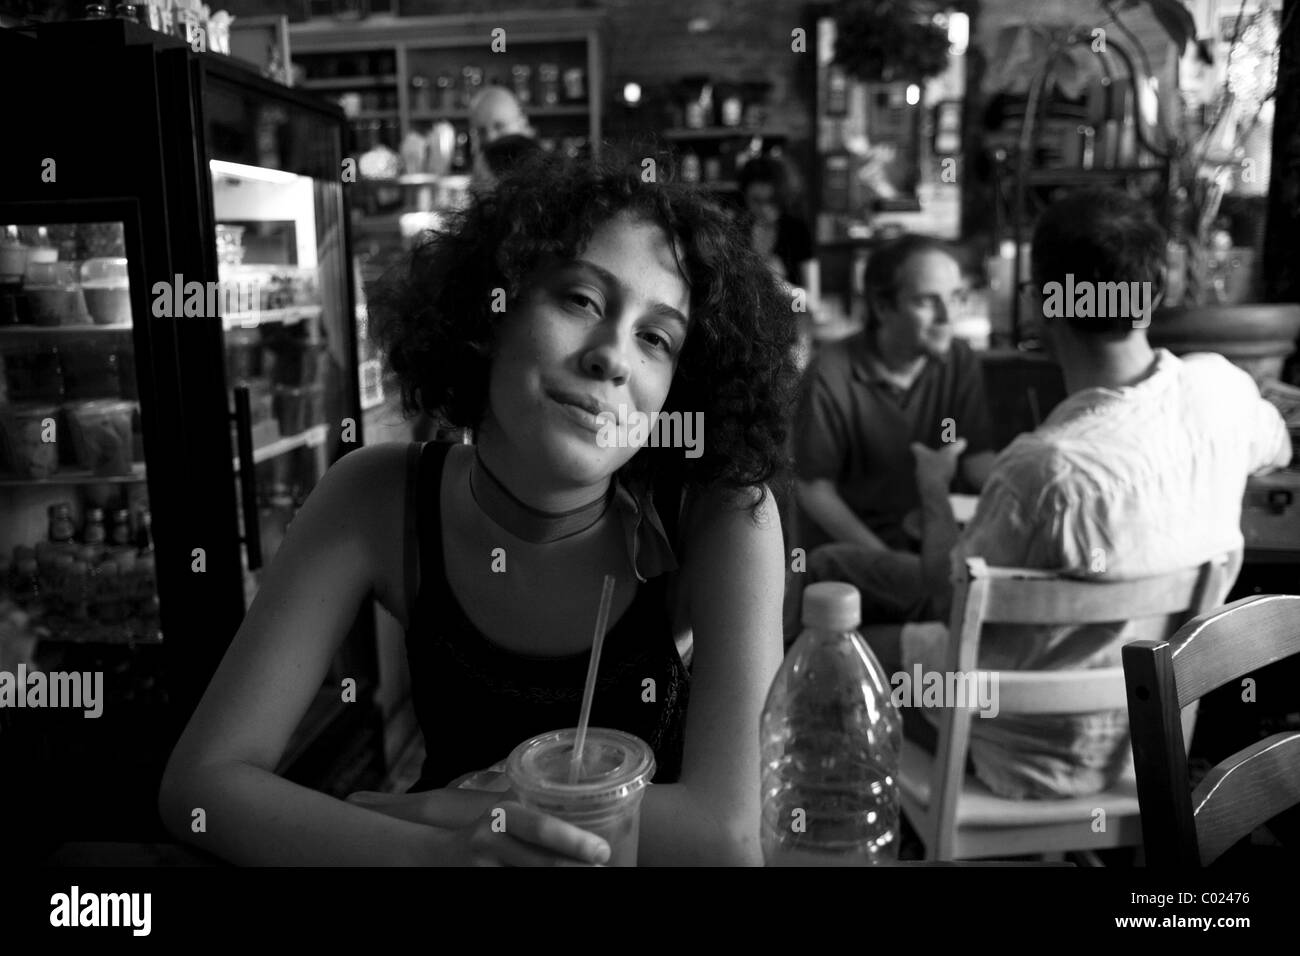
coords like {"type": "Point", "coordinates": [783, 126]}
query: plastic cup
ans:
{"type": "Point", "coordinates": [606, 800]}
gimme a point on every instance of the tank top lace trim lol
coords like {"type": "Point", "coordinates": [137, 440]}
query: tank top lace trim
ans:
{"type": "Point", "coordinates": [460, 679]}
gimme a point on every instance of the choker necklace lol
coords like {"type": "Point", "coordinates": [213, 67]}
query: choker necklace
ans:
{"type": "Point", "coordinates": [523, 520]}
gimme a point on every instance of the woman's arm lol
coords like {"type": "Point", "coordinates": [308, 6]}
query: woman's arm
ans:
{"type": "Point", "coordinates": [734, 576]}
{"type": "Point", "coordinates": [224, 763]}
{"type": "Point", "coordinates": [225, 760]}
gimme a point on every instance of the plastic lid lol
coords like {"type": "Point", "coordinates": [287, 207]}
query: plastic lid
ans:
{"type": "Point", "coordinates": [616, 765]}
{"type": "Point", "coordinates": [105, 272]}
{"type": "Point", "coordinates": [832, 606]}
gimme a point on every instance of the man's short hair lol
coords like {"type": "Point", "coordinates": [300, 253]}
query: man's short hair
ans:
{"type": "Point", "coordinates": [1099, 235]}
{"type": "Point", "coordinates": [886, 262]}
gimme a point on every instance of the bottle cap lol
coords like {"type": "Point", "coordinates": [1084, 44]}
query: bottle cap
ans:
{"type": "Point", "coordinates": [832, 606]}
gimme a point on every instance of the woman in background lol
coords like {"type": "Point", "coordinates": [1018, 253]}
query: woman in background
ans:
{"type": "Point", "coordinates": [779, 237]}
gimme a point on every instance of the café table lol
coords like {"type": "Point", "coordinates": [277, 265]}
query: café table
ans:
{"type": "Point", "coordinates": [175, 854]}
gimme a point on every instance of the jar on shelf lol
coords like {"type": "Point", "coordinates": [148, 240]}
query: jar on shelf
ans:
{"type": "Point", "coordinates": [731, 106]}
{"type": "Point", "coordinates": [521, 81]}
{"type": "Point", "coordinates": [13, 257]}
{"type": "Point", "coordinates": [420, 93]}
{"type": "Point", "coordinates": [690, 167]}
{"type": "Point", "coordinates": [756, 104]}
{"type": "Point", "coordinates": [548, 76]}
{"type": "Point", "coordinates": [29, 439]}
{"type": "Point", "coordinates": [120, 527]}
{"type": "Point", "coordinates": [446, 87]}
{"type": "Point", "coordinates": [107, 289]}
{"type": "Point", "coordinates": [94, 532]}
{"type": "Point", "coordinates": [575, 84]}
{"type": "Point", "coordinates": [471, 81]}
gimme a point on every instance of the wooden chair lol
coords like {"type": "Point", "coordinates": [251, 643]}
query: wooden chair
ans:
{"type": "Point", "coordinates": [1186, 827]}
{"type": "Point", "coordinates": [960, 818]}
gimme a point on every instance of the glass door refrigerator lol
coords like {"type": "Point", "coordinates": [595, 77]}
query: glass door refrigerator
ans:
{"type": "Point", "coordinates": [179, 369]}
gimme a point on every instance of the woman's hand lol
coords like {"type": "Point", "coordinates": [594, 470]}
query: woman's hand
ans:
{"type": "Point", "coordinates": [490, 827]}
{"type": "Point", "coordinates": [510, 834]}
{"type": "Point", "coordinates": [448, 807]}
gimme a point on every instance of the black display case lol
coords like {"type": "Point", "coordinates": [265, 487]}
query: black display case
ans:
{"type": "Point", "coordinates": [191, 356]}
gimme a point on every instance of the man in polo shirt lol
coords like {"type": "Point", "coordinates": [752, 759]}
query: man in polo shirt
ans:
{"type": "Point", "coordinates": [865, 402]}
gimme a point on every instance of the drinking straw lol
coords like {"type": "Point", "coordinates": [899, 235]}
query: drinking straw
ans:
{"type": "Point", "coordinates": [602, 617]}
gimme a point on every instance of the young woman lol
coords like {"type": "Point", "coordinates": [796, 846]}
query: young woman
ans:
{"type": "Point", "coordinates": [573, 289]}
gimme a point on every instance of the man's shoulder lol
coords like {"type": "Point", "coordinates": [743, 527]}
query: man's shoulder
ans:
{"type": "Point", "coordinates": [1037, 461]}
{"type": "Point", "coordinates": [1212, 370]}
{"type": "Point", "coordinates": [962, 361]}
{"type": "Point", "coordinates": [837, 360]}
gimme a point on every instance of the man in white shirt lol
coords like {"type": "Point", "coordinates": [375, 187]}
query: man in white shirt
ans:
{"type": "Point", "coordinates": [1140, 471]}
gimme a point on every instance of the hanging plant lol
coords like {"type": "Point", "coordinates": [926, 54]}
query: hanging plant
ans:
{"type": "Point", "coordinates": [886, 41]}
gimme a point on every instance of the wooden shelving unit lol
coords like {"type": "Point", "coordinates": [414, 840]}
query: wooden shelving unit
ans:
{"type": "Point", "coordinates": [426, 46]}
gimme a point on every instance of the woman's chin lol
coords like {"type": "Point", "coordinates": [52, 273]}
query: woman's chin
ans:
{"type": "Point", "coordinates": [579, 458]}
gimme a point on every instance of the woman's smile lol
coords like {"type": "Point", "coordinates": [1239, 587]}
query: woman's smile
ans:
{"type": "Point", "coordinates": [582, 411]}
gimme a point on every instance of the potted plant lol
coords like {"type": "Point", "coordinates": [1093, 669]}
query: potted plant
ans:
{"type": "Point", "coordinates": [891, 41]}
{"type": "Point", "coordinates": [1202, 159]}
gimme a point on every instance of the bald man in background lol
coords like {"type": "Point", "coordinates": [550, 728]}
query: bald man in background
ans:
{"type": "Point", "coordinates": [494, 113]}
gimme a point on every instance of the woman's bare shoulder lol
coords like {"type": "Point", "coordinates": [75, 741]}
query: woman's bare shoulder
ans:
{"type": "Point", "coordinates": [376, 473]}
{"type": "Point", "coordinates": [706, 510]}
{"type": "Point", "coordinates": [371, 483]}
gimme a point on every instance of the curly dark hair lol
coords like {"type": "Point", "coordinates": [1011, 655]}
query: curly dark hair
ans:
{"type": "Point", "coordinates": [433, 314]}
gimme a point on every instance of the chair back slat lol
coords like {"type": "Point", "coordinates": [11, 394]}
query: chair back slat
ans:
{"type": "Point", "coordinates": [1214, 648]}
{"type": "Point", "coordinates": [949, 768]}
{"type": "Point", "coordinates": [1248, 789]}
{"type": "Point", "coordinates": [1234, 640]}
{"type": "Point", "coordinates": [1159, 755]}
{"type": "Point", "coordinates": [1036, 600]}
{"type": "Point", "coordinates": [1059, 692]}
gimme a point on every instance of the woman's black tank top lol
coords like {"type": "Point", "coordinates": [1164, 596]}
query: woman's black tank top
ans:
{"type": "Point", "coordinates": [475, 701]}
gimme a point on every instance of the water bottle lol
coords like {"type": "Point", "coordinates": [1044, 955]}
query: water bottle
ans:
{"type": "Point", "coordinates": [830, 744]}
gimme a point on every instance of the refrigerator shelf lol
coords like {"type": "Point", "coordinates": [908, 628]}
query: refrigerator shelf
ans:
{"type": "Point", "coordinates": [75, 476]}
{"type": "Point", "coordinates": [287, 316]}
{"type": "Point", "coordinates": [25, 333]}
{"type": "Point", "coordinates": [99, 634]}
